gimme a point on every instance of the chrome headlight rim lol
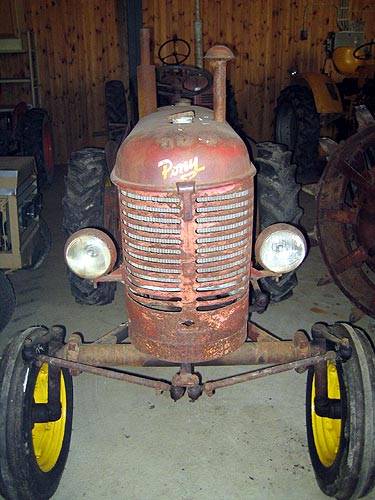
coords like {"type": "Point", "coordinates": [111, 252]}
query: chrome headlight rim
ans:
{"type": "Point", "coordinates": [272, 230]}
{"type": "Point", "coordinates": [92, 233]}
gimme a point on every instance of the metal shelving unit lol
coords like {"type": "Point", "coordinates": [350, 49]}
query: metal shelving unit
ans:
{"type": "Point", "coordinates": [33, 79]}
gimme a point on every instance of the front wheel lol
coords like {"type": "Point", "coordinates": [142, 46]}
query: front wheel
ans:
{"type": "Point", "coordinates": [33, 449]}
{"type": "Point", "coordinates": [342, 449]}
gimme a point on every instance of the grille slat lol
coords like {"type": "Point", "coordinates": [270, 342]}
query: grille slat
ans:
{"type": "Point", "coordinates": [220, 208]}
{"type": "Point", "coordinates": [224, 237]}
{"type": "Point", "coordinates": [156, 199]}
{"type": "Point", "coordinates": [154, 259]}
{"type": "Point", "coordinates": [218, 258]}
{"type": "Point", "coordinates": [151, 277]}
{"type": "Point", "coordinates": [149, 208]}
{"type": "Point", "coordinates": [153, 269]}
{"type": "Point", "coordinates": [222, 267]}
{"type": "Point", "coordinates": [214, 278]}
{"type": "Point", "coordinates": [152, 229]}
{"type": "Point", "coordinates": [221, 248]}
{"type": "Point", "coordinates": [227, 227]}
{"type": "Point", "coordinates": [152, 220]}
{"type": "Point", "coordinates": [225, 217]}
{"type": "Point", "coordinates": [150, 249]}
{"type": "Point", "coordinates": [149, 239]}
{"type": "Point", "coordinates": [223, 197]}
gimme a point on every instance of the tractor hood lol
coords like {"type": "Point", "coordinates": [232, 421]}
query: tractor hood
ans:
{"type": "Point", "coordinates": [181, 144]}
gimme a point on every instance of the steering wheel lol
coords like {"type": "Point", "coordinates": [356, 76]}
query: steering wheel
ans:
{"type": "Point", "coordinates": [365, 56]}
{"type": "Point", "coordinates": [179, 54]}
{"type": "Point", "coordinates": [182, 81]}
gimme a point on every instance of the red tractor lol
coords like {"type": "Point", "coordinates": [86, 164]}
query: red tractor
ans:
{"type": "Point", "coordinates": [185, 253]}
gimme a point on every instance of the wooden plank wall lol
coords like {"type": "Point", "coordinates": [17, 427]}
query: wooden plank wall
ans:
{"type": "Point", "coordinates": [79, 48]}
{"type": "Point", "coordinates": [264, 35]}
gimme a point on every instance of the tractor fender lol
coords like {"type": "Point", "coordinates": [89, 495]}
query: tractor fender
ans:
{"type": "Point", "coordinates": [326, 94]}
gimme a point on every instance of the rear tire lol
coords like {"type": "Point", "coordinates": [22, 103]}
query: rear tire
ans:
{"type": "Point", "coordinates": [7, 300]}
{"type": "Point", "coordinates": [342, 451]}
{"type": "Point", "coordinates": [277, 195]}
{"type": "Point", "coordinates": [116, 108]}
{"type": "Point", "coordinates": [297, 126]}
{"type": "Point", "coordinates": [83, 206]}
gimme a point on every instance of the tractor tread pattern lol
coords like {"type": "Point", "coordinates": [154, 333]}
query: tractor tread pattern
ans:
{"type": "Point", "coordinates": [306, 147]}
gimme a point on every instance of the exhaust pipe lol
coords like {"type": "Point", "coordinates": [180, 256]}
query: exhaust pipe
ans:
{"type": "Point", "coordinates": [218, 56]}
{"type": "Point", "coordinates": [146, 78]}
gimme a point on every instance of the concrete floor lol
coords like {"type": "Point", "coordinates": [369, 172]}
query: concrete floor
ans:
{"type": "Point", "coordinates": [245, 442]}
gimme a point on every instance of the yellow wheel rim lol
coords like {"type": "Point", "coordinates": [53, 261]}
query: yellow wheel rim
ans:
{"type": "Point", "coordinates": [48, 437]}
{"type": "Point", "coordinates": [327, 431]}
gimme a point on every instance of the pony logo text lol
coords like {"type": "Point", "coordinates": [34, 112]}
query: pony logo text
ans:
{"type": "Point", "coordinates": [185, 170]}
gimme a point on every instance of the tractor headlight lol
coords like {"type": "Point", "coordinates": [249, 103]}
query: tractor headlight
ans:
{"type": "Point", "coordinates": [280, 248]}
{"type": "Point", "coordinates": [90, 253]}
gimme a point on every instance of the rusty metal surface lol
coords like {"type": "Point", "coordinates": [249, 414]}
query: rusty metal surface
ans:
{"type": "Point", "coordinates": [72, 351]}
{"type": "Point", "coordinates": [183, 378]}
{"type": "Point", "coordinates": [211, 386]}
{"type": "Point", "coordinates": [114, 336]}
{"type": "Point", "coordinates": [346, 218]}
{"type": "Point", "coordinates": [250, 353]}
{"type": "Point", "coordinates": [186, 198]}
{"type": "Point", "coordinates": [187, 291]}
{"type": "Point", "coordinates": [258, 334]}
{"type": "Point", "coordinates": [159, 385]}
{"type": "Point", "coordinates": [157, 153]}
{"type": "Point", "coordinates": [218, 56]}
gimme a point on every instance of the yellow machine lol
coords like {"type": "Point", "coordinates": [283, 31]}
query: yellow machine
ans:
{"type": "Point", "coordinates": [323, 104]}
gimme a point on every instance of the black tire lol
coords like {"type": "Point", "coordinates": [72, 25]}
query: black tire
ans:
{"type": "Point", "coordinates": [346, 467]}
{"type": "Point", "coordinates": [32, 131]}
{"type": "Point", "coordinates": [23, 474]}
{"type": "Point", "coordinates": [7, 300]}
{"type": "Point", "coordinates": [297, 126]}
{"type": "Point", "coordinates": [116, 108]}
{"type": "Point", "coordinates": [83, 206]}
{"type": "Point", "coordinates": [277, 199]}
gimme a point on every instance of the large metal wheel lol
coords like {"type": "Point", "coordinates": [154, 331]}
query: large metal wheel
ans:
{"type": "Point", "coordinates": [346, 219]}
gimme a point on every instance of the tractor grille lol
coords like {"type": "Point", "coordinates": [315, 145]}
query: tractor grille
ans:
{"type": "Point", "coordinates": [223, 223]}
{"type": "Point", "coordinates": [172, 264]}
